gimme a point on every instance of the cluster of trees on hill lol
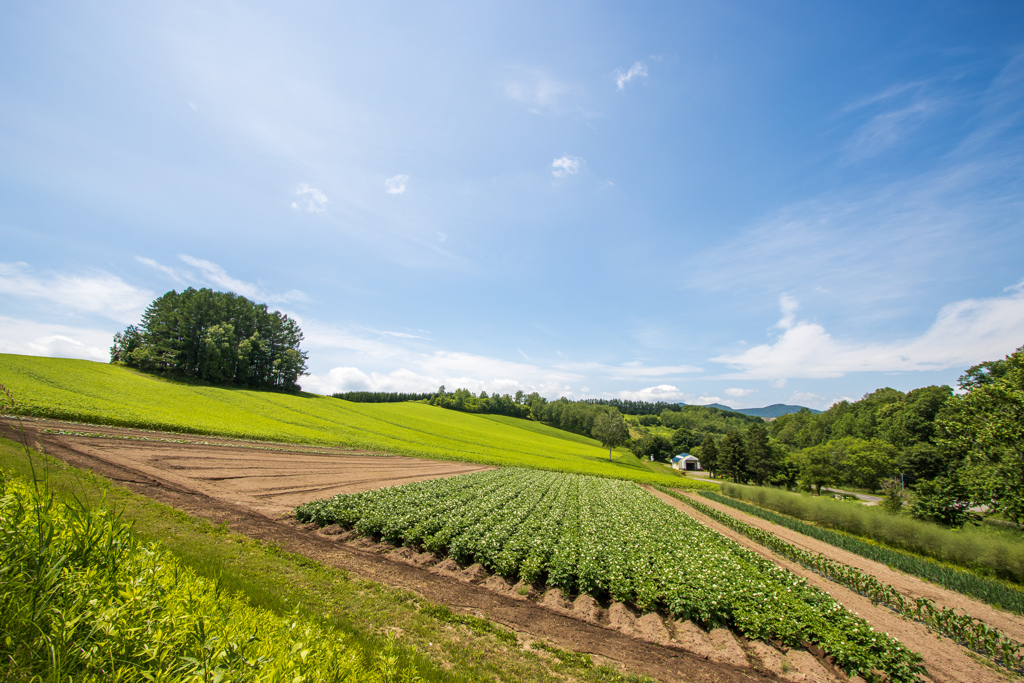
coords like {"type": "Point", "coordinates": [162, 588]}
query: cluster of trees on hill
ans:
{"type": "Point", "coordinates": [953, 452]}
{"type": "Point", "coordinates": [217, 337]}
{"type": "Point", "coordinates": [466, 401]}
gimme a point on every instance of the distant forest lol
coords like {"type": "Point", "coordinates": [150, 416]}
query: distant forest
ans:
{"type": "Point", "coordinates": [937, 455]}
{"type": "Point", "coordinates": [690, 423]}
{"type": "Point", "coordinates": [379, 396]}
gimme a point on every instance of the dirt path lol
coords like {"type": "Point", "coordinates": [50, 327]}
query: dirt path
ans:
{"type": "Point", "coordinates": [946, 661]}
{"type": "Point", "coordinates": [247, 485]}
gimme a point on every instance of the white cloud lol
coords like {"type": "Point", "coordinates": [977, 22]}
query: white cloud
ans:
{"type": "Point", "coordinates": [309, 199]}
{"type": "Point", "coordinates": [668, 394]}
{"type": "Point", "coordinates": [964, 333]}
{"type": "Point", "coordinates": [540, 92]}
{"type": "Point", "coordinates": [882, 240]}
{"type": "Point", "coordinates": [565, 166]}
{"type": "Point", "coordinates": [739, 393]}
{"type": "Point", "coordinates": [402, 335]}
{"type": "Point", "coordinates": [166, 270]}
{"type": "Point", "coordinates": [638, 70]}
{"type": "Point", "coordinates": [397, 362]}
{"type": "Point", "coordinates": [789, 306]}
{"type": "Point", "coordinates": [216, 277]}
{"type": "Point", "coordinates": [869, 246]}
{"type": "Point", "coordinates": [396, 184]}
{"type": "Point", "coordinates": [95, 292]}
{"type": "Point", "coordinates": [887, 129]}
{"type": "Point", "coordinates": [31, 338]}
{"type": "Point", "coordinates": [629, 372]}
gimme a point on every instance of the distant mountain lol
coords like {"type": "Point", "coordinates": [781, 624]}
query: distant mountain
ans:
{"type": "Point", "coordinates": [774, 410]}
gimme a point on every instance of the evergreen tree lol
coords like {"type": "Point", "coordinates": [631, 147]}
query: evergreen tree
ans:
{"type": "Point", "coordinates": [760, 457]}
{"type": "Point", "coordinates": [216, 337]}
{"type": "Point", "coordinates": [709, 454]}
{"type": "Point", "coordinates": [732, 457]}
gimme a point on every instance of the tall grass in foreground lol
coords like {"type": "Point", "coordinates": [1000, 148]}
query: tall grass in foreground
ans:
{"type": "Point", "coordinates": [993, 553]}
{"type": "Point", "coordinates": [82, 599]}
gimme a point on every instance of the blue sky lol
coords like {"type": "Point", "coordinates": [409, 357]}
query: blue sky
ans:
{"type": "Point", "coordinates": [742, 202]}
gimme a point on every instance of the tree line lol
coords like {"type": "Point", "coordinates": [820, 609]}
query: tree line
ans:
{"type": "Point", "coordinates": [216, 337]}
{"type": "Point", "coordinates": [380, 396]}
{"type": "Point", "coordinates": [936, 454]}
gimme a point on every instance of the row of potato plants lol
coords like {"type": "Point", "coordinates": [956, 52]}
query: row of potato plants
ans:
{"type": "Point", "coordinates": [81, 598]}
{"type": "Point", "coordinates": [968, 583]}
{"type": "Point", "coordinates": [612, 539]}
{"type": "Point", "coordinates": [963, 628]}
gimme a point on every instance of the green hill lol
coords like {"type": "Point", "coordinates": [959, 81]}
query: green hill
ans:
{"type": "Point", "coordinates": [99, 393]}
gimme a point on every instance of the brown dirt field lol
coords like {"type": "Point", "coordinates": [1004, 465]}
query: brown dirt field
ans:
{"type": "Point", "coordinates": [946, 661]}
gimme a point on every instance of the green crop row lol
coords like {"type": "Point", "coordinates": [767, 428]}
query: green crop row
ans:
{"type": "Point", "coordinates": [613, 539]}
{"type": "Point", "coordinates": [962, 628]}
{"type": "Point", "coordinates": [100, 393]}
{"type": "Point", "coordinates": [81, 599]}
{"type": "Point", "coordinates": [986, 590]}
{"type": "Point", "coordinates": [984, 549]}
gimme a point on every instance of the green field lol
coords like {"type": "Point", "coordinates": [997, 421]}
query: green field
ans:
{"type": "Point", "coordinates": [100, 393]}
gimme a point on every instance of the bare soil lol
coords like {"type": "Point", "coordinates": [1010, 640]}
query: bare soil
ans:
{"type": "Point", "coordinates": [252, 487]}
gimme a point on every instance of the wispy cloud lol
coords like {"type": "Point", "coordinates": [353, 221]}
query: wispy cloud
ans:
{"type": "Point", "coordinates": [964, 333]}
{"type": "Point", "coordinates": [541, 92]}
{"type": "Point", "coordinates": [630, 371]}
{"type": "Point", "coordinates": [565, 166]}
{"type": "Point", "coordinates": [94, 292]}
{"type": "Point", "coordinates": [638, 70]}
{"type": "Point", "coordinates": [866, 246]}
{"type": "Point", "coordinates": [396, 184]}
{"type": "Point", "coordinates": [309, 199]}
{"type": "Point", "coordinates": [889, 128]}
{"type": "Point", "coordinates": [739, 393]}
{"type": "Point", "coordinates": [209, 274]}
{"type": "Point", "coordinates": [402, 335]}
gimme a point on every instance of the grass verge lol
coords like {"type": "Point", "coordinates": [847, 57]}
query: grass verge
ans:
{"type": "Point", "coordinates": [998, 554]}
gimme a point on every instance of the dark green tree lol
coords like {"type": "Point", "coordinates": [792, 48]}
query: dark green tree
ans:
{"type": "Point", "coordinates": [761, 460]}
{"type": "Point", "coordinates": [732, 457]}
{"type": "Point", "coordinates": [708, 455]}
{"type": "Point", "coordinates": [652, 446]}
{"type": "Point", "coordinates": [819, 466]}
{"type": "Point", "coordinates": [216, 337]}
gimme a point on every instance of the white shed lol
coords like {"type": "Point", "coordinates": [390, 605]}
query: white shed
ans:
{"type": "Point", "coordinates": [686, 463]}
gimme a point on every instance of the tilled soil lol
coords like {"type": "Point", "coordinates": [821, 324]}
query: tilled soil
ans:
{"type": "Point", "coordinates": [252, 487]}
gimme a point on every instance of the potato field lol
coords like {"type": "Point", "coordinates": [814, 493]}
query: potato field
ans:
{"type": "Point", "coordinates": [615, 541]}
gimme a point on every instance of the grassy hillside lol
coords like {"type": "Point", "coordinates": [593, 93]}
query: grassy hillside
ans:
{"type": "Point", "coordinates": [107, 394]}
